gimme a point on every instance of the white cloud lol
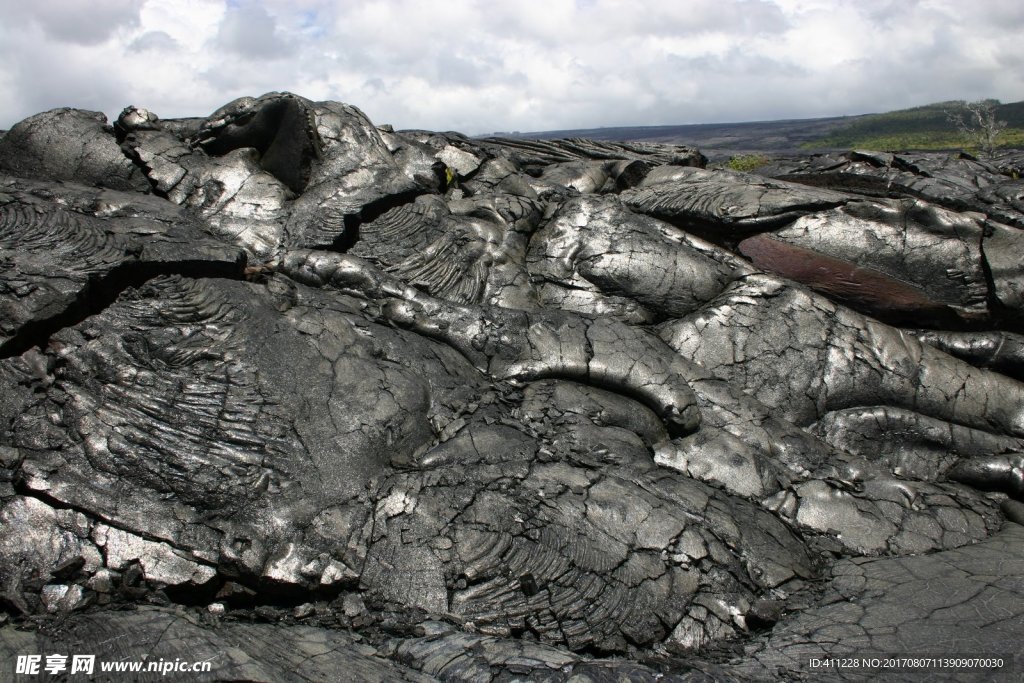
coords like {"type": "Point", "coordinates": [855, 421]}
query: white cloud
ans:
{"type": "Point", "coordinates": [191, 23]}
{"type": "Point", "coordinates": [479, 66]}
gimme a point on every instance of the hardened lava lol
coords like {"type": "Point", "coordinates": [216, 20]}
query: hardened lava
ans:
{"type": "Point", "coordinates": [303, 395]}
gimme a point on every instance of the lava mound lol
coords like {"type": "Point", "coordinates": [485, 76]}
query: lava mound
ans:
{"type": "Point", "coordinates": [295, 394]}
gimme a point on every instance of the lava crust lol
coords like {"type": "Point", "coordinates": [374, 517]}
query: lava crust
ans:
{"type": "Point", "coordinates": [298, 395]}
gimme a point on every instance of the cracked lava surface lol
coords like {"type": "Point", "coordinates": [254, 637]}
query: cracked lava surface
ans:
{"type": "Point", "coordinates": [303, 395]}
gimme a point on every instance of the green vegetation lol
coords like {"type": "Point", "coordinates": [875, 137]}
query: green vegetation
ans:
{"type": "Point", "coordinates": [924, 128]}
{"type": "Point", "coordinates": [747, 162]}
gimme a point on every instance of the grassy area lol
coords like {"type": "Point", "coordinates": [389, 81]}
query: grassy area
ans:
{"type": "Point", "coordinates": [923, 128]}
{"type": "Point", "coordinates": [747, 162]}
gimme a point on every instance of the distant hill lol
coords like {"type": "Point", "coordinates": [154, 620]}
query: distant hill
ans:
{"type": "Point", "coordinates": [924, 127]}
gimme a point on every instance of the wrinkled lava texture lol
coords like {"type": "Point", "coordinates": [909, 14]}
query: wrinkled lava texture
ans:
{"type": "Point", "coordinates": [319, 400]}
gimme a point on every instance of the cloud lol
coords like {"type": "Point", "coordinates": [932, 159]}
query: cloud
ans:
{"type": "Point", "coordinates": [154, 40]}
{"type": "Point", "coordinates": [480, 66]}
{"type": "Point", "coordinates": [72, 21]}
{"type": "Point", "coordinates": [249, 31]}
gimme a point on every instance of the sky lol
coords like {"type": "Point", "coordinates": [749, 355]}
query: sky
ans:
{"type": "Point", "coordinates": [481, 66]}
